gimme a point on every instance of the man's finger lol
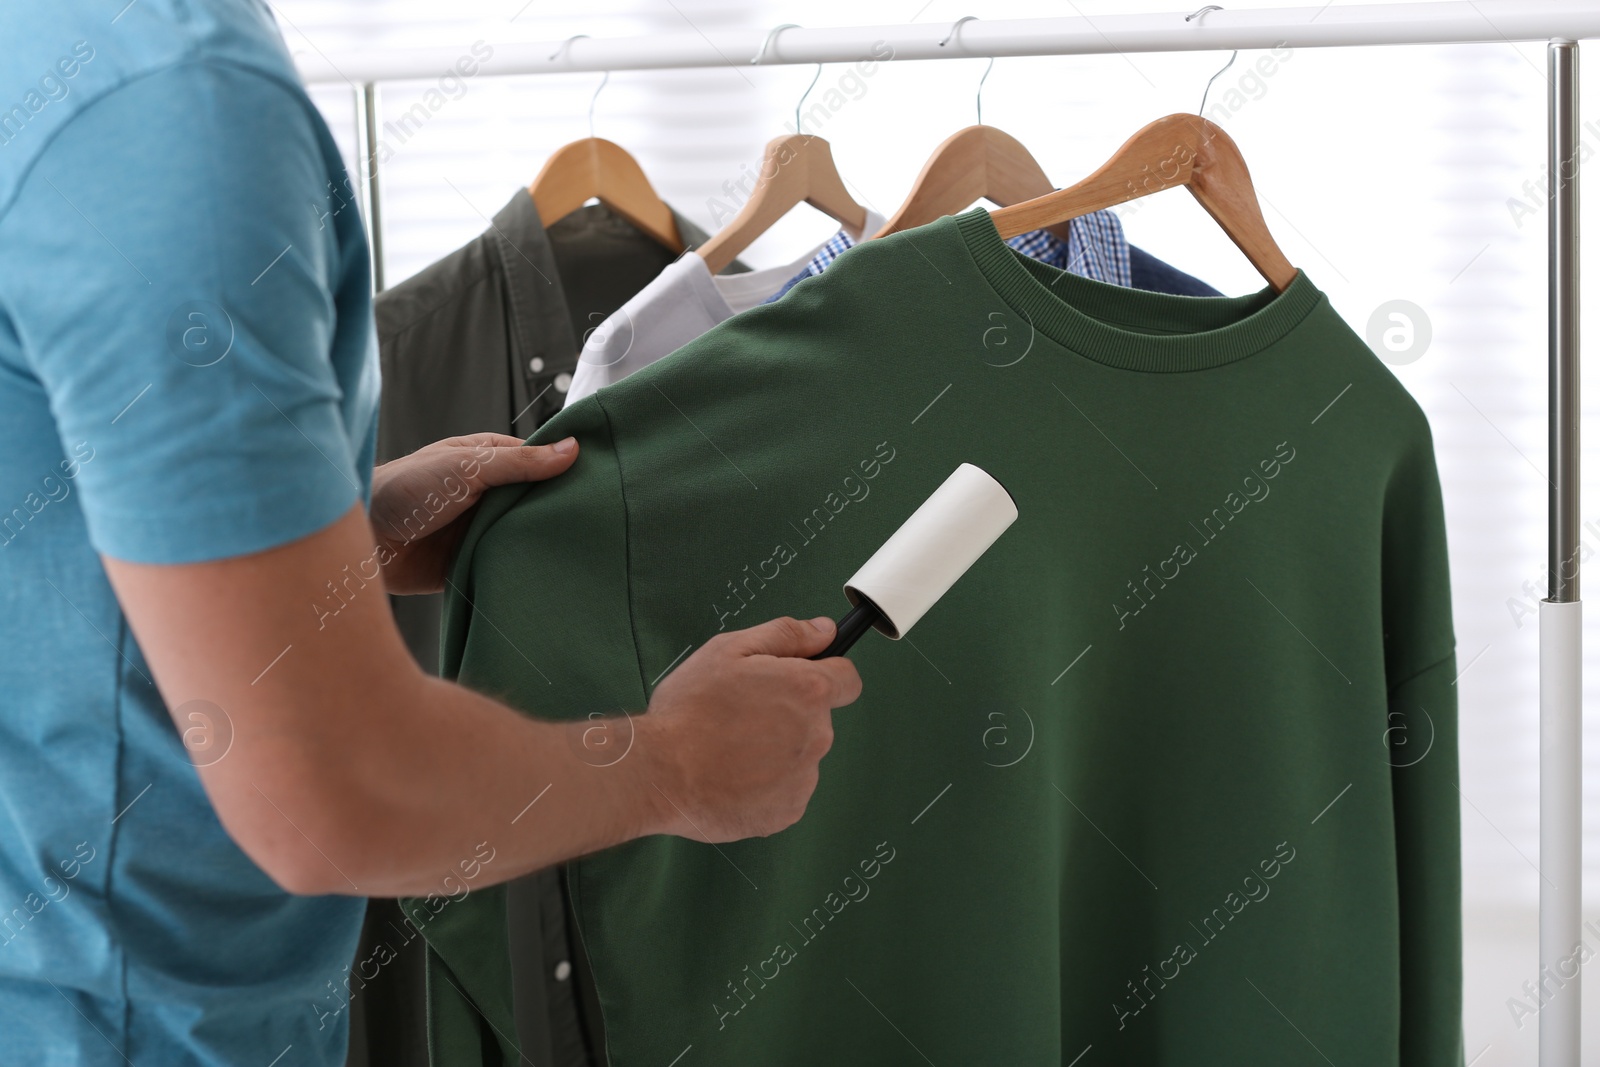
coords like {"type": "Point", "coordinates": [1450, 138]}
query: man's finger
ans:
{"type": "Point", "coordinates": [525, 463]}
{"type": "Point", "coordinates": [842, 676]}
{"type": "Point", "coordinates": [785, 637]}
{"type": "Point", "coordinates": [482, 440]}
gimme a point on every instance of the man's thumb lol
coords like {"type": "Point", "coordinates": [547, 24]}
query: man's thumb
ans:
{"type": "Point", "coordinates": [787, 637]}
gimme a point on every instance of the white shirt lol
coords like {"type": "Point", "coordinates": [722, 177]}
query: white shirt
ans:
{"type": "Point", "coordinates": [683, 302]}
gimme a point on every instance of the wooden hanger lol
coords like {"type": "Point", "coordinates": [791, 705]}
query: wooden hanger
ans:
{"type": "Point", "coordinates": [1176, 150]}
{"type": "Point", "coordinates": [597, 169]}
{"type": "Point", "coordinates": [972, 164]}
{"type": "Point", "coordinates": [795, 169]}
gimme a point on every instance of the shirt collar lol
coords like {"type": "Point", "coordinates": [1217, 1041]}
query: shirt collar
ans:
{"type": "Point", "coordinates": [1096, 248]}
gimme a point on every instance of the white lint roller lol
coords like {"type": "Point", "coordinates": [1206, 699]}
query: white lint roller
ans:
{"type": "Point", "coordinates": [924, 557]}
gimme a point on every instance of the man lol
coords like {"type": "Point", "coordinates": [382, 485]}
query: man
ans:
{"type": "Point", "coordinates": [203, 768]}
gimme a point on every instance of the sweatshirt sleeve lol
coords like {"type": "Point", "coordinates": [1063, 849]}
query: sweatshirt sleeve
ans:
{"type": "Point", "coordinates": [1427, 816]}
{"type": "Point", "coordinates": [1422, 748]}
{"type": "Point", "coordinates": [554, 629]}
{"type": "Point", "coordinates": [557, 617]}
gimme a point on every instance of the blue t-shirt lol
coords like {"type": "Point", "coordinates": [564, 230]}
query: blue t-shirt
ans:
{"type": "Point", "coordinates": [187, 372]}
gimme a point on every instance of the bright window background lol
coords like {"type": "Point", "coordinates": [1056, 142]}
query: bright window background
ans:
{"type": "Point", "coordinates": [1387, 173]}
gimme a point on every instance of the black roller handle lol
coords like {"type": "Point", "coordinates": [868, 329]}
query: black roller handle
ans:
{"type": "Point", "coordinates": [857, 621]}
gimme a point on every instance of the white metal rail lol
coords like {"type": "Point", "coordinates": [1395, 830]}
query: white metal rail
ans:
{"type": "Point", "coordinates": [1559, 22]}
{"type": "Point", "coordinates": [1321, 26]}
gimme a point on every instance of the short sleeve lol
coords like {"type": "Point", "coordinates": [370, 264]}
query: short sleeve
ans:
{"type": "Point", "coordinates": [186, 277]}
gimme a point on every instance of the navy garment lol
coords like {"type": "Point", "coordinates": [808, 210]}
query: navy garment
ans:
{"type": "Point", "coordinates": [1144, 272]}
{"type": "Point", "coordinates": [1095, 248]}
{"type": "Point", "coordinates": [1156, 276]}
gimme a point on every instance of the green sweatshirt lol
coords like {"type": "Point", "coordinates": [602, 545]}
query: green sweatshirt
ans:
{"type": "Point", "coordinates": [1169, 776]}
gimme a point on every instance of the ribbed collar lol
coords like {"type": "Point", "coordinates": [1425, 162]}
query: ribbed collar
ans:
{"type": "Point", "coordinates": [1130, 328]}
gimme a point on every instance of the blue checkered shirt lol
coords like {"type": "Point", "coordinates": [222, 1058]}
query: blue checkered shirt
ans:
{"type": "Point", "coordinates": [1095, 248]}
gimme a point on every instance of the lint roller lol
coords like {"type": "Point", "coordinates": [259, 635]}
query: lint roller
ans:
{"type": "Point", "coordinates": [923, 558]}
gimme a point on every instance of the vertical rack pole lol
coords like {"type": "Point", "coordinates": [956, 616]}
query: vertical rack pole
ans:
{"type": "Point", "coordinates": [1561, 614]}
{"type": "Point", "coordinates": [367, 142]}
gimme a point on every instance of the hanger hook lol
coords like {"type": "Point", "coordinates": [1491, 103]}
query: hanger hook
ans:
{"type": "Point", "coordinates": [772, 35]}
{"type": "Point", "coordinates": [595, 97]}
{"type": "Point", "coordinates": [956, 29]}
{"type": "Point", "coordinates": [981, 80]}
{"type": "Point", "coordinates": [803, 96]}
{"type": "Point", "coordinates": [1214, 77]}
{"type": "Point", "coordinates": [1206, 95]}
{"type": "Point", "coordinates": [565, 46]}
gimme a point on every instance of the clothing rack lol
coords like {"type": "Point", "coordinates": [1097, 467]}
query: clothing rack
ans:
{"type": "Point", "coordinates": [1561, 23]}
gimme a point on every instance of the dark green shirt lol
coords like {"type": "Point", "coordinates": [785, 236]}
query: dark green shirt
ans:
{"type": "Point", "coordinates": [1170, 773]}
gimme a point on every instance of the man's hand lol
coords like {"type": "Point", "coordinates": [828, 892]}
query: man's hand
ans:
{"type": "Point", "coordinates": [421, 503]}
{"type": "Point", "coordinates": [736, 732]}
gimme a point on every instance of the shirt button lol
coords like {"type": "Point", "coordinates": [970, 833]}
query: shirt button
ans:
{"type": "Point", "coordinates": [563, 382]}
{"type": "Point", "coordinates": [563, 971]}
{"type": "Point", "coordinates": [535, 365]}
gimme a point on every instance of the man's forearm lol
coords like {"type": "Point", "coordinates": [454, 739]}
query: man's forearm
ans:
{"type": "Point", "coordinates": [457, 792]}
